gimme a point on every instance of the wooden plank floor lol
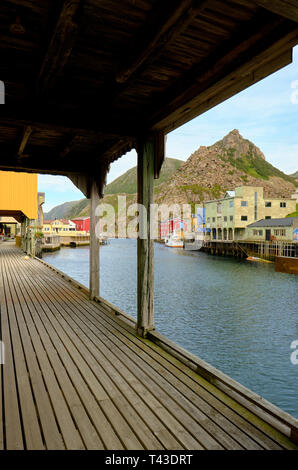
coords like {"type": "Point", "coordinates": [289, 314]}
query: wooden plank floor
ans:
{"type": "Point", "coordinates": [76, 377]}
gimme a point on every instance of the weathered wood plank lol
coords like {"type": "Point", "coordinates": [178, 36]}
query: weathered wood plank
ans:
{"type": "Point", "coordinates": [13, 428]}
{"type": "Point", "coordinates": [94, 241]}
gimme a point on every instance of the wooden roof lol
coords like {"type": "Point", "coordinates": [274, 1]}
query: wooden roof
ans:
{"type": "Point", "coordinates": [85, 78]}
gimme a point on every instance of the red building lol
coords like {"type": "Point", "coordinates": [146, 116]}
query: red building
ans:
{"type": "Point", "coordinates": [82, 224]}
{"type": "Point", "coordinates": [170, 226]}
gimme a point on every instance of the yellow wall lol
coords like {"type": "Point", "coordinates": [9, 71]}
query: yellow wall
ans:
{"type": "Point", "coordinates": [18, 192]}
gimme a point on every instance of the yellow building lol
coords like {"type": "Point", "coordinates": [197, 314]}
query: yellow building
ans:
{"type": "Point", "coordinates": [18, 195]}
{"type": "Point", "coordinates": [59, 227]}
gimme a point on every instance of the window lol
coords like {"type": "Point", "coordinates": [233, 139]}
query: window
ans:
{"type": "Point", "coordinates": [243, 203]}
{"type": "Point", "coordinates": [244, 217]}
{"type": "Point", "coordinates": [280, 232]}
{"type": "Point", "coordinates": [231, 218]}
{"type": "Point", "coordinates": [258, 233]}
{"type": "Point", "coordinates": [267, 204]}
{"type": "Point", "coordinates": [268, 217]}
{"type": "Point", "coordinates": [213, 219]}
{"type": "Point", "coordinates": [219, 207]}
{"type": "Point", "coordinates": [283, 204]}
{"type": "Point", "coordinates": [256, 205]}
{"type": "Point", "coordinates": [225, 218]}
{"type": "Point", "coordinates": [231, 204]}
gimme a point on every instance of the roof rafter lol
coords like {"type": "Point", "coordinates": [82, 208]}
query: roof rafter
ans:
{"type": "Point", "coordinates": [60, 47]}
{"type": "Point", "coordinates": [24, 140]}
{"type": "Point", "coordinates": [166, 22]}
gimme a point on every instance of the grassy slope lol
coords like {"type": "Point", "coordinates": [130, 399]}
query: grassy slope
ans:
{"type": "Point", "coordinates": [127, 183]}
{"type": "Point", "coordinates": [254, 165]}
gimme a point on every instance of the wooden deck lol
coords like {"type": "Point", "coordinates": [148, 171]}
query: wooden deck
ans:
{"type": "Point", "coordinates": [76, 377]}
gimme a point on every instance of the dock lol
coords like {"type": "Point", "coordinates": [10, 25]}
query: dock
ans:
{"type": "Point", "coordinates": [77, 376]}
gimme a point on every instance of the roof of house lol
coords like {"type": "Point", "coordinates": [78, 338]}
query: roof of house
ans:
{"type": "Point", "coordinates": [230, 194]}
{"type": "Point", "coordinates": [285, 222]}
{"type": "Point", "coordinates": [80, 218]}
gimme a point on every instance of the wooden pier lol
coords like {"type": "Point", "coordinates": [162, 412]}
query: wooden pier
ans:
{"type": "Point", "coordinates": [76, 376]}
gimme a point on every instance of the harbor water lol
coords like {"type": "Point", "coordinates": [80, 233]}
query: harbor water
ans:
{"type": "Point", "coordinates": [241, 317]}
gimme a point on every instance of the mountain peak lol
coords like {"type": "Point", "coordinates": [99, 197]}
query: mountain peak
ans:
{"type": "Point", "coordinates": [239, 146]}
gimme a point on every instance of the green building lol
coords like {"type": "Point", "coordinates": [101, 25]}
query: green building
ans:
{"type": "Point", "coordinates": [227, 218]}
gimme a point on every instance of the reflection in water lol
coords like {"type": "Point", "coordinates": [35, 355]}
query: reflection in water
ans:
{"type": "Point", "coordinates": [241, 317]}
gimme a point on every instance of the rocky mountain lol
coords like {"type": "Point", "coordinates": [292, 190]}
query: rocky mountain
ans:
{"type": "Point", "coordinates": [210, 171]}
{"type": "Point", "coordinates": [207, 174]}
{"type": "Point", "coordinates": [295, 175]}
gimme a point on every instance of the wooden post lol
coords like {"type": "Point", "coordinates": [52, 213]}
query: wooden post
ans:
{"type": "Point", "coordinates": [145, 321]}
{"type": "Point", "coordinates": [94, 242]}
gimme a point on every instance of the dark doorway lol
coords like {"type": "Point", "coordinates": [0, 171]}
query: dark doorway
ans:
{"type": "Point", "coordinates": [268, 235]}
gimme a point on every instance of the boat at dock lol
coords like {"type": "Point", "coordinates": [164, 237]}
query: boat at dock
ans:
{"type": "Point", "coordinates": [173, 241]}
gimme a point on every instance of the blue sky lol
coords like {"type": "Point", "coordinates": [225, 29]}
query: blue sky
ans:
{"type": "Point", "coordinates": [265, 113]}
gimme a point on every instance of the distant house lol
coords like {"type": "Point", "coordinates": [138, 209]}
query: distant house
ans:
{"type": "Point", "coordinates": [227, 218]}
{"type": "Point", "coordinates": [285, 229]}
{"type": "Point", "coordinates": [82, 224]}
{"type": "Point", "coordinates": [58, 226]}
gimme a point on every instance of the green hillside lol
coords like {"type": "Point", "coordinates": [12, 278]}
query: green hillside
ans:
{"type": "Point", "coordinates": [127, 183]}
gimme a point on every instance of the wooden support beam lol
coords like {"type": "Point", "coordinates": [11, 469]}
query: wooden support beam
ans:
{"type": "Point", "coordinates": [145, 321]}
{"type": "Point", "coordinates": [166, 22]}
{"type": "Point", "coordinates": [94, 241]}
{"type": "Point", "coordinates": [60, 47]}
{"type": "Point", "coordinates": [159, 152]}
{"type": "Point", "coordinates": [286, 8]}
{"type": "Point", "coordinates": [25, 137]}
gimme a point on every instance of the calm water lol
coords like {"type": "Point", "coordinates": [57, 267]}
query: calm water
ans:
{"type": "Point", "coordinates": [241, 317]}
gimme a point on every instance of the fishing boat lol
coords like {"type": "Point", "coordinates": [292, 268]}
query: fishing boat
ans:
{"type": "Point", "coordinates": [173, 241]}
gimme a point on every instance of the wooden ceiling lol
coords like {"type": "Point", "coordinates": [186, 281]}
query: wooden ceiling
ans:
{"type": "Point", "coordinates": [85, 78]}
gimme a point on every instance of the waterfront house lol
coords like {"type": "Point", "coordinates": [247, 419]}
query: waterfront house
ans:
{"type": "Point", "coordinates": [227, 218]}
{"type": "Point", "coordinates": [285, 229]}
{"type": "Point", "coordinates": [82, 224]}
{"type": "Point", "coordinates": [58, 226]}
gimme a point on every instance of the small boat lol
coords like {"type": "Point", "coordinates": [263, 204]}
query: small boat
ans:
{"type": "Point", "coordinates": [254, 258]}
{"type": "Point", "coordinates": [173, 241]}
